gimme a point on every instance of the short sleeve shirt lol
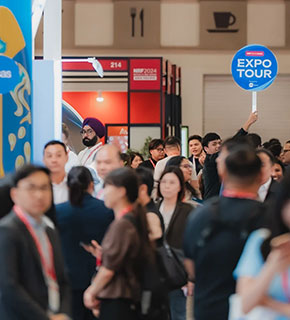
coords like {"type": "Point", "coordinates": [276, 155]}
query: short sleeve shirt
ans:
{"type": "Point", "coordinates": [120, 248]}
{"type": "Point", "coordinates": [251, 264]}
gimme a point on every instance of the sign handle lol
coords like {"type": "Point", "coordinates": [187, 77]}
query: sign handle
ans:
{"type": "Point", "coordinates": [254, 101]}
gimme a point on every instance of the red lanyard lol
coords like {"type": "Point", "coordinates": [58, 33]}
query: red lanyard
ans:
{"type": "Point", "coordinates": [48, 268]}
{"type": "Point", "coordinates": [239, 194]}
{"type": "Point", "coordinates": [153, 164]}
{"type": "Point", "coordinates": [95, 149]}
{"type": "Point", "coordinates": [285, 284]}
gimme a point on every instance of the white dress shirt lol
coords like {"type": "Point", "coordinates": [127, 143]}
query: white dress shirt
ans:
{"type": "Point", "coordinates": [263, 190]}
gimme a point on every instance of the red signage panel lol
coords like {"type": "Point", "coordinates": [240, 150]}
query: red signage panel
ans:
{"type": "Point", "coordinates": [145, 74]}
{"type": "Point", "coordinates": [107, 64]}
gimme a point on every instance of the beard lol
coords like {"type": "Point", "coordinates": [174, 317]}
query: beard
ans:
{"type": "Point", "coordinates": [90, 142]}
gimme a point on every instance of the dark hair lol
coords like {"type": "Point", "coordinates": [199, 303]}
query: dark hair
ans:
{"type": "Point", "coordinates": [176, 161]}
{"type": "Point", "coordinates": [26, 171]}
{"type": "Point", "coordinates": [275, 149]}
{"type": "Point", "coordinates": [243, 163]}
{"type": "Point", "coordinates": [78, 181]}
{"type": "Point", "coordinates": [125, 158]}
{"type": "Point", "coordinates": [194, 137]}
{"type": "Point", "coordinates": [276, 223]}
{"type": "Point", "coordinates": [5, 198]}
{"type": "Point", "coordinates": [254, 139]}
{"type": "Point", "coordinates": [179, 174]}
{"type": "Point", "coordinates": [172, 142]}
{"type": "Point", "coordinates": [146, 177]}
{"type": "Point", "coordinates": [211, 136]}
{"type": "Point", "coordinates": [135, 154]}
{"type": "Point", "coordinates": [65, 130]}
{"type": "Point", "coordinates": [55, 142]}
{"type": "Point", "coordinates": [155, 143]}
{"type": "Point", "coordinates": [127, 178]}
{"type": "Point", "coordinates": [232, 143]}
{"type": "Point", "coordinates": [267, 153]}
{"type": "Point", "coordinates": [287, 141]}
{"type": "Point", "coordinates": [280, 163]}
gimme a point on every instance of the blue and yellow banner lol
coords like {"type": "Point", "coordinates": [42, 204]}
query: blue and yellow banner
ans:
{"type": "Point", "coordinates": [15, 84]}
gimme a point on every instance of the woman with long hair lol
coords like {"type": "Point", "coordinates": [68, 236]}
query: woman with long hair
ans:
{"type": "Point", "coordinates": [264, 267]}
{"type": "Point", "coordinates": [191, 194]}
{"type": "Point", "coordinates": [115, 290]}
{"type": "Point", "coordinates": [135, 159]}
{"type": "Point", "coordinates": [174, 212]}
{"type": "Point", "coordinates": [81, 220]}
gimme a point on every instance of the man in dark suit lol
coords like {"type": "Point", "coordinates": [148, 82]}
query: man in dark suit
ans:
{"type": "Point", "coordinates": [268, 188]}
{"type": "Point", "coordinates": [33, 284]}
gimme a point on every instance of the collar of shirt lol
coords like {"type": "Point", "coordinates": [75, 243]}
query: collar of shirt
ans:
{"type": "Point", "coordinates": [64, 181]}
{"type": "Point", "coordinates": [34, 223]}
{"type": "Point", "coordinates": [263, 190]}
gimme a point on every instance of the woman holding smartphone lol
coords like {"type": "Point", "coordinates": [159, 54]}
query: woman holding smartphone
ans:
{"type": "Point", "coordinates": [115, 291]}
{"type": "Point", "coordinates": [264, 268]}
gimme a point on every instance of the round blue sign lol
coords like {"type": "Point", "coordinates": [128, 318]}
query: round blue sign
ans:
{"type": "Point", "coordinates": [9, 74]}
{"type": "Point", "coordinates": [254, 67]}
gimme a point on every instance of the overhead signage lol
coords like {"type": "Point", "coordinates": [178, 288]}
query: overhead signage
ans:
{"type": "Point", "coordinates": [254, 67]}
{"type": "Point", "coordinates": [107, 65]}
{"type": "Point", "coordinates": [145, 74]}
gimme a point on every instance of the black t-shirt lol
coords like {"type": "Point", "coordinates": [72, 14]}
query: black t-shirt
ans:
{"type": "Point", "coordinates": [214, 239]}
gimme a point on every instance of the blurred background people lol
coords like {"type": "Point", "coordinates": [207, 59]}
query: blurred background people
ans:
{"type": "Point", "coordinates": [80, 220]}
{"type": "Point", "coordinates": [156, 150]}
{"type": "Point", "coordinates": [268, 186]}
{"type": "Point", "coordinates": [107, 159]}
{"type": "Point", "coordinates": [278, 170]}
{"type": "Point", "coordinates": [175, 213]}
{"type": "Point", "coordinates": [55, 157]}
{"type": "Point", "coordinates": [195, 150]}
{"type": "Point", "coordinates": [191, 194]}
{"type": "Point", "coordinates": [135, 159]}
{"type": "Point", "coordinates": [72, 157]}
{"type": "Point", "coordinates": [92, 131]}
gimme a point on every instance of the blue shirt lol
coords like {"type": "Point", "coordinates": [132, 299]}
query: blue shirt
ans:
{"type": "Point", "coordinates": [251, 264]}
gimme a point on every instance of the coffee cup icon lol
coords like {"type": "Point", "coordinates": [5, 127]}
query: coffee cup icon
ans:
{"type": "Point", "coordinates": [224, 19]}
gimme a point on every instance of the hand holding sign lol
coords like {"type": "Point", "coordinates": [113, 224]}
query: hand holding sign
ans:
{"type": "Point", "coordinates": [254, 68]}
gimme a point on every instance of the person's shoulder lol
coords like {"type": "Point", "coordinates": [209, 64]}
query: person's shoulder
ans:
{"type": "Point", "coordinates": [185, 206]}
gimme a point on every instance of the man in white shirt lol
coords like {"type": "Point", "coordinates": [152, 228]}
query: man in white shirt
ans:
{"type": "Point", "coordinates": [55, 157]}
{"type": "Point", "coordinates": [92, 131]}
{"type": "Point", "coordinates": [108, 159]}
{"type": "Point", "coordinates": [268, 185]}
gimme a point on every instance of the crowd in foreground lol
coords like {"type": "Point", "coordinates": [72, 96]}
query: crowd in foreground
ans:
{"type": "Point", "coordinates": [108, 235]}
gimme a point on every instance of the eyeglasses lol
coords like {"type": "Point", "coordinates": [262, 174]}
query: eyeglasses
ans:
{"type": "Point", "coordinates": [88, 132]}
{"type": "Point", "coordinates": [160, 149]}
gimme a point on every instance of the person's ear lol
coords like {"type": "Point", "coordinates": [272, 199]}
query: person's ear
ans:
{"type": "Point", "coordinates": [13, 194]}
{"type": "Point", "coordinates": [206, 149]}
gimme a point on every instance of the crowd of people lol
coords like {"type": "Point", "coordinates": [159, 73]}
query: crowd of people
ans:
{"type": "Point", "coordinates": [82, 236]}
